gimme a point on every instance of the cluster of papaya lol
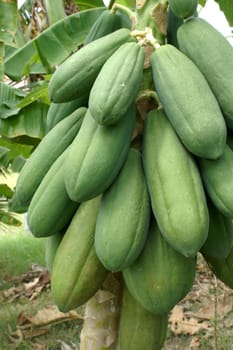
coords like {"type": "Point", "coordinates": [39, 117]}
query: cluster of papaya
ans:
{"type": "Point", "coordinates": [146, 209]}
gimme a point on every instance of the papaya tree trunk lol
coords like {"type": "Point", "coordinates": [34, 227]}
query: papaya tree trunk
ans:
{"type": "Point", "coordinates": [100, 328]}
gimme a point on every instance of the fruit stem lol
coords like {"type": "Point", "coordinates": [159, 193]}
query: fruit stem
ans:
{"type": "Point", "coordinates": [111, 3]}
{"type": "Point", "coordinates": [123, 8]}
{"type": "Point", "coordinates": [146, 36]}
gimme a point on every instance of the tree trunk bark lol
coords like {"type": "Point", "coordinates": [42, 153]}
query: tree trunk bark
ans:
{"type": "Point", "coordinates": [100, 328]}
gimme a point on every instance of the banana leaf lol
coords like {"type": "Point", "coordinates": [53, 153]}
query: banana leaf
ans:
{"type": "Point", "coordinates": [227, 7]}
{"type": "Point", "coordinates": [7, 218]}
{"type": "Point", "coordinates": [9, 98]}
{"type": "Point", "coordinates": [8, 20]}
{"type": "Point", "coordinates": [56, 11]}
{"type": "Point", "coordinates": [37, 92]}
{"type": "Point", "coordinates": [10, 150]}
{"type": "Point", "coordinates": [53, 45]}
{"type": "Point", "coordinates": [2, 54]}
{"type": "Point", "coordinates": [86, 4]}
{"type": "Point", "coordinates": [30, 121]}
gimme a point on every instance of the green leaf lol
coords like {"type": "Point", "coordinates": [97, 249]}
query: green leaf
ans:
{"type": "Point", "coordinates": [15, 149]}
{"type": "Point", "coordinates": [39, 92]}
{"type": "Point", "coordinates": [2, 54]}
{"type": "Point", "coordinates": [56, 43]}
{"type": "Point", "coordinates": [227, 7]}
{"type": "Point", "coordinates": [14, 154]}
{"type": "Point", "coordinates": [9, 97]}
{"type": "Point", "coordinates": [6, 191]}
{"type": "Point", "coordinates": [56, 11]}
{"type": "Point", "coordinates": [85, 5]}
{"type": "Point", "coordinates": [7, 218]}
{"type": "Point", "coordinates": [30, 121]}
{"type": "Point", "coordinates": [202, 2]}
{"type": "Point", "coordinates": [8, 20]}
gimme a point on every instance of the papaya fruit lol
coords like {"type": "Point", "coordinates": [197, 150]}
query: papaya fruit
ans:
{"type": "Point", "coordinates": [59, 111]}
{"type": "Point", "coordinates": [77, 273]}
{"type": "Point", "coordinates": [97, 155]}
{"type": "Point", "coordinates": [218, 180]}
{"type": "Point", "coordinates": [51, 245]}
{"type": "Point", "coordinates": [51, 209]}
{"type": "Point", "coordinates": [106, 23]}
{"type": "Point", "coordinates": [213, 55]}
{"type": "Point", "coordinates": [117, 84]}
{"type": "Point", "coordinates": [140, 329]}
{"type": "Point", "coordinates": [40, 161]}
{"type": "Point", "coordinates": [123, 217]}
{"type": "Point", "coordinates": [173, 23]}
{"type": "Point", "coordinates": [188, 102]}
{"type": "Point", "coordinates": [222, 268]}
{"type": "Point", "coordinates": [220, 235]}
{"type": "Point", "coordinates": [183, 8]}
{"type": "Point", "coordinates": [175, 186]}
{"type": "Point", "coordinates": [161, 276]}
{"type": "Point", "coordinates": [76, 75]}
{"type": "Point", "coordinates": [16, 206]}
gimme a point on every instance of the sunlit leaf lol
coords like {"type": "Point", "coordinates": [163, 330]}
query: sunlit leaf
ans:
{"type": "Point", "coordinates": [6, 191]}
{"type": "Point", "coordinates": [56, 43]}
{"type": "Point", "coordinates": [202, 2]}
{"type": "Point", "coordinates": [227, 7]}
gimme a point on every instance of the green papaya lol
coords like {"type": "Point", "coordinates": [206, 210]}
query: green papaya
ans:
{"type": "Point", "coordinates": [161, 276]}
{"type": "Point", "coordinates": [106, 23]}
{"type": "Point", "coordinates": [140, 329]}
{"type": "Point", "coordinates": [76, 75]}
{"type": "Point", "coordinates": [213, 55]}
{"type": "Point", "coordinates": [183, 8]}
{"type": "Point", "coordinates": [51, 208]}
{"type": "Point", "coordinates": [222, 268]}
{"type": "Point", "coordinates": [176, 191]}
{"type": "Point", "coordinates": [173, 23]}
{"type": "Point", "coordinates": [16, 206]}
{"type": "Point", "coordinates": [123, 218]}
{"type": "Point", "coordinates": [59, 111]}
{"type": "Point", "coordinates": [117, 84]}
{"type": "Point", "coordinates": [218, 180]}
{"type": "Point", "coordinates": [48, 150]}
{"type": "Point", "coordinates": [220, 235]}
{"type": "Point", "coordinates": [97, 155]}
{"type": "Point", "coordinates": [188, 102]}
{"type": "Point", "coordinates": [51, 245]}
{"type": "Point", "coordinates": [77, 273]}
